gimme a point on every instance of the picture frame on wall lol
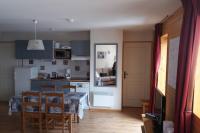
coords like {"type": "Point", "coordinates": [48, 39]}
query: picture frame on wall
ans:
{"type": "Point", "coordinates": [53, 62]}
{"type": "Point", "coordinates": [101, 55]}
{"type": "Point", "coordinates": [31, 62]}
{"type": "Point", "coordinates": [65, 62]}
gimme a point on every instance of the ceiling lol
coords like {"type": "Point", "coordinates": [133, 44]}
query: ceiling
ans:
{"type": "Point", "coordinates": [17, 15]}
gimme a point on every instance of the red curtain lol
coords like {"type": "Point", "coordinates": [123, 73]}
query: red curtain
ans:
{"type": "Point", "coordinates": [155, 64]}
{"type": "Point", "coordinates": [188, 49]}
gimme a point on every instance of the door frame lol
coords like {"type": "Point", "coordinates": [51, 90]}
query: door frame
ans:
{"type": "Point", "coordinates": [124, 42]}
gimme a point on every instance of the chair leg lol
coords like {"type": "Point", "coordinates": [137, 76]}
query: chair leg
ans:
{"type": "Point", "coordinates": [74, 117]}
{"type": "Point", "coordinates": [77, 117]}
{"type": "Point", "coordinates": [40, 124]}
{"type": "Point", "coordinates": [70, 124]}
{"type": "Point", "coordinates": [46, 124]}
{"type": "Point", "coordinates": [23, 124]}
{"type": "Point", "coordinates": [63, 124]}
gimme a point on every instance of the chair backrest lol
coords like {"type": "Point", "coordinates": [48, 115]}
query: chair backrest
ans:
{"type": "Point", "coordinates": [48, 88]}
{"type": "Point", "coordinates": [54, 103]}
{"type": "Point", "coordinates": [64, 87]}
{"type": "Point", "coordinates": [31, 101]}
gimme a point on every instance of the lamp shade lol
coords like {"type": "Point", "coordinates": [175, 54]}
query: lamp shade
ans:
{"type": "Point", "coordinates": [35, 45]}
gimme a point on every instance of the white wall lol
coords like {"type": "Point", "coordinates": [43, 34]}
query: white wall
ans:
{"type": "Point", "coordinates": [108, 36]}
{"type": "Point", "coordinates": [7, 64]}
{"type": "Point", "coordinates": [143, 35]}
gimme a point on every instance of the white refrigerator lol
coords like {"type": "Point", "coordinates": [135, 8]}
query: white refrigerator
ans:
{"type": "Point", "coordinates": [22, 77]}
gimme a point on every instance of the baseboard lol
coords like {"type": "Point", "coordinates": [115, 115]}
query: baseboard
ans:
{"type": "Point", "coordinates": [103, 109]}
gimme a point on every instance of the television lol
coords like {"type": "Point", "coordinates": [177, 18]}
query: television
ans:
{"type": "Point", "coordinates": [159, 108]}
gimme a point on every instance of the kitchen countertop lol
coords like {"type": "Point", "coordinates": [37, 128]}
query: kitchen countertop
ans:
{"type": "Point", "coordinates": [63, 79]}
{"type": "Point", "coordinates": [79, 80]}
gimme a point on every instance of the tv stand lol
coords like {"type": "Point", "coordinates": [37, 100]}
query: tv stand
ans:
{"type": "Point", "coordinates": [151, 116]}
{"type": "Point", "coordinates": [148, 124]}
{"type": "Point", "coordinates": [152, 121]}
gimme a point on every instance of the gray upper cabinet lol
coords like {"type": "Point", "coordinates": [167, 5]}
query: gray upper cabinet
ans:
{"type": "Point", "coordinates": [80, 47]}
{"type": "Point", "coordinates": [22, 53]}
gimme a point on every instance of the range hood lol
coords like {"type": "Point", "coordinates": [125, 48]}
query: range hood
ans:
{"type": "Point", "coordinates": [75, 57]}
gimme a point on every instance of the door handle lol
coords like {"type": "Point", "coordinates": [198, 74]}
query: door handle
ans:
{"type": "Point", "coordinates": [125, 74]}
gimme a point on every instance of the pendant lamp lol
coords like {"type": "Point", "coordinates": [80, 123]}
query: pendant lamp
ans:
{"type": "Point", "coordinates": [35, 44]}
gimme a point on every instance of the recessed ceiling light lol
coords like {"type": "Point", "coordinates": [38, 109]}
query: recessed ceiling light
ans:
{"type": "Point", "coordinates": [71, 20]}
{"type": "Point", "coordinates": [51, 29]}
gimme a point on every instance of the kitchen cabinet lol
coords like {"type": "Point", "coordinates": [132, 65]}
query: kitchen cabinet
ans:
{"type": "Point", "coordinates": [22, 53]}
{"type": "Point", "coordinates": [37, 83]}
{"type": "Point", "coordinates": [80, 47]}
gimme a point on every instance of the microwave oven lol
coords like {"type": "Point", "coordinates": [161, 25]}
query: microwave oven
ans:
{"type": "Point", "coordinates": [62, 53]}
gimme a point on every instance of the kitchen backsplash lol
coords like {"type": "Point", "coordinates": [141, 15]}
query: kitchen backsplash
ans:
{"type": "Point", "coordinates": [79, 68]}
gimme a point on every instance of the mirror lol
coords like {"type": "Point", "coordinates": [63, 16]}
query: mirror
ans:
{"type": "Point", "coordinates": [105, 64]}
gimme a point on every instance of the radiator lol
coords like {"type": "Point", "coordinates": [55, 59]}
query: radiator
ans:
{"type": "Point", "coordinates": [102, 99]}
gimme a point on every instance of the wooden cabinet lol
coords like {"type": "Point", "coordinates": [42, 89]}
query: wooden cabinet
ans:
{"type": "Point", "coordinates": [22, 53]}
{"type": "Point", "coordinates": [80, 47]}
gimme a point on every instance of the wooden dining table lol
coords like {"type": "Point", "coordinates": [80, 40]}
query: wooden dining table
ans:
{"type": "Point", "coordinates": [73, 102]}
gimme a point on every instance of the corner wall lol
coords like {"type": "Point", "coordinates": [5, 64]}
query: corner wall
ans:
{"type": "Point", "coordinates": [108, 36]}
{"type": "Point", "coordinates": [7, 65]}
{"type": "Point", "coordinates": [172, 27]}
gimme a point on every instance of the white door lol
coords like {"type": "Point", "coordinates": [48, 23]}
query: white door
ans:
{"type": "Point", "coordinates": [136, 67]}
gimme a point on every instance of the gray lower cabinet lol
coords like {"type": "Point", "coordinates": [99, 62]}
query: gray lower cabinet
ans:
{"type": "Point", "coordinates": [80, 47]}
{"type": "Point", "coordinates": [22, 53]}
{"type": "Point", "coordinates": [36, 84]}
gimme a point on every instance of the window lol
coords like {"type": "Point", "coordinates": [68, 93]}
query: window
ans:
{"type": "Point", "coordinates": [163, 64]}
{"type": "Point", "coordinates": [196, 109]}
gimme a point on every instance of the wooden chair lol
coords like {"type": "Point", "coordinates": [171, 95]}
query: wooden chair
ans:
{"type": "Point", "coordinates": [145, 105]}
{"type": "Point", "coordinates": [48, 88]}
{"type": "Point", "coordinates": [69, 87]}
{"type": "Point", "coordinates": [31, 109]}
{"type": "Point", "coordinates": [59, 120]}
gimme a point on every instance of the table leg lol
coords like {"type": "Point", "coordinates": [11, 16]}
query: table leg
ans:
{"type": "Point", "coordinates": [70, 123]}
{"type": "Point", "coordinates": [22, 123]}
{"type": "Point", "coordinates": [77, 117]}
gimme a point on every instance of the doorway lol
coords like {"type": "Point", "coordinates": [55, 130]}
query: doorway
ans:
{"type": "Point", "coordinates": [136, 73]}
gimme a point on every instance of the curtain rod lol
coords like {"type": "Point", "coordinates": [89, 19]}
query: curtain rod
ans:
{"type": "Point", "coordinates": [137, 41]}
{"type": "Point", "coordinates": [164, 19]}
